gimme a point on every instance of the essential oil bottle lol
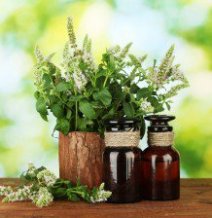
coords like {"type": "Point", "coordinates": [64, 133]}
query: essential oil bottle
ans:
{"type": "Point", "coordinates": [122, 161]}
{"type": "Point", "coordinates": [160, 161]}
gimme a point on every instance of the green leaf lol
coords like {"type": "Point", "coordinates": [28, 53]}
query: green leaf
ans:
{"type": "Point", "coordinates": [158, 107]}
{"type": "Point", "coordinates": [53, 99]}
{"type": "Point", "coordinates": [74, 99]}
{"type": "Point", "coordinates": [143, 93]}
{"type": "Point", "coordinates": [168, 106]}
{"type": "Point", "coordinates": [101, 72]}
{"type": "Point", "coordinates": [134, 59]}
{"type": "Point", "coordinates": [153, 100]}
{"type": "Point", "coordinates": [62, 183]}
{"type": "Point", "coordinates": [77, 192]}
{"type": "Point", "coordinates": [110, 114]}
{"type": "Point", "coordinates": [57, 110]}
{"type": "Point", "coordinates": [116, 90]}
{"type": "Point", "coordinates": [84, 124]}
{"type": "Point", "coordinates": [100, 81]}
{"type": "Point", "coordinates": [87, 109]}
{"type": "Point", "coordinates": [128, 110]}
{"type": "Point", "coordinates": [37, 94]}
{"type": "Point", "coordinates": [111, 64]}
{"type": "Point", "coordinates": [47, 79]}
{"type": "Point", "coordinates": [62, 86]}
{"type": "Point", "coordinates": [41, 108]}
{"type": "Point", "coordinates": [68, 115]}
{"type": "Point", "coordinates": [125, 50]}
{"type": "Point", "coordinates": [104, 96]}
{"type": "Point", "coordinates": [134, 88]}
{"type": "Point", "coordinates": [63, 125]}
{"type": "Point", "coordinates": [105, 57]}
{"type": "Point", "coordinates": [58, 192]}
{"type": "Point", "coordinates": [142, 127]}
{"type": "Point", "coordinates": [51, 68]}
{"type": "Point", "coordinates": [72, 196]}
{"type": "Point", "coordinates": [128, 97]}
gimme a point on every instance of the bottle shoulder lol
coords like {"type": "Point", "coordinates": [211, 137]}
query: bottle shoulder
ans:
{"type": "Point", "coordinates": [162, 153]}
{"type": "Point", "coordinates": [122, 151]}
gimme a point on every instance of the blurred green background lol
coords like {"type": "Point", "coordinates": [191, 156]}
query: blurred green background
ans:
{"type": "Point", "coordinates": [152, 25]}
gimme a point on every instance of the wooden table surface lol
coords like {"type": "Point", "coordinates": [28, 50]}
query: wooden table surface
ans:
{"type": "Point", "coordinates": [195, 201]}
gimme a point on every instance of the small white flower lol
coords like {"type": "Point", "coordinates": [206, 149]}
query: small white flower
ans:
{"type": "Point", "coordinates": [155, 78]}
{"type": "Point", "coordinates": [46, 178]}
{"type": "Point", "coordinates": [79, 79]}
{"type": "Point", "coordinates": [92, 199]}
{"type": "Point", "coordinates": [65, 74]}
{"type": "Point", "coordinates": [31, 170]}
{"type": "Point", "coordinates": [5, 190]}
{"type": "Point", "coordinates": [89, 60]}
{"type": "Point", "coordinates": [146, 106]}
{"type": "Point", "coordinates": [86, 56]}
{"type": "Point", "coordinates": [177, 74]}
{"type": "Point", "coordinates": [114, 50]}
{"type": "Point", "coordinates": [21, 194]}
{"type": "Point", "coordinates": [101, 195]}
{"type": "Point", "coordinates": [42, 198]}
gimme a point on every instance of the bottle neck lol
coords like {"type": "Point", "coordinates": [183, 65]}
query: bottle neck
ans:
{"type": "Point", "coordinates": [122, 139]}
{"type": "Point", "coordinates": [122, 133]}
{"type": "Point", "coordinates": [162, 139]}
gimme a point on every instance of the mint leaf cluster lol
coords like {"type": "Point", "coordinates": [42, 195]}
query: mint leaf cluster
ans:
{"type": "Point", "coordinates": [82, 94]}
{"type": "Point", "coordinates": [41, 187]}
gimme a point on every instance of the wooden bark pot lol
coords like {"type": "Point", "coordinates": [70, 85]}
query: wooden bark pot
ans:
{"type": "Point", "coordinates": [80, 157]}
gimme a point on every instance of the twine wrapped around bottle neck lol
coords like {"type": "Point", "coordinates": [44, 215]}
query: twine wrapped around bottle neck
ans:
{"type": "Point", "coordinates": [160, 138]}
{"type": "Point", "coordinates": [122, 139]}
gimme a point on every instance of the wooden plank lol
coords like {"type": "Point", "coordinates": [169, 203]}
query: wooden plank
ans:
{"type": "Point", "coordinates": [195, 202]}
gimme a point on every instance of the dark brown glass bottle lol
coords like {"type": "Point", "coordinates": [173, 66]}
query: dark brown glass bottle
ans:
{"type": "Point", "coordinates": [160, 162]}
{"type": "Point", "coordinates": [122, 161]}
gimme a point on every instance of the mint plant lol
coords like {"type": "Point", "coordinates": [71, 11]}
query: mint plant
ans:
{"type": "Point", "coordinates": [82, 94]}
{"type": "Point", "coordinates": [41, 187]}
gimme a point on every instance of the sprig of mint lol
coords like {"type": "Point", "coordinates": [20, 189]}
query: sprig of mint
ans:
{"type": "Point", "coordinates": [41, 187]}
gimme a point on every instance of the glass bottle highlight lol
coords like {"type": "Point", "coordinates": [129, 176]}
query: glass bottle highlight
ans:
{"type": "Point", "coordinates": [160, 161]}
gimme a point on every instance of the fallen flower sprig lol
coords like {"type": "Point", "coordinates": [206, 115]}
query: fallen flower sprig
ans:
{"type": "Point", "coordinates": [41, 187]}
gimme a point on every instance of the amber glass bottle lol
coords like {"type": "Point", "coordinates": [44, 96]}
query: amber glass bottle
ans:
{"type": "Point", "coordinates": [122, 161]}
{"type": "Point", "coordinates": [160, 162]}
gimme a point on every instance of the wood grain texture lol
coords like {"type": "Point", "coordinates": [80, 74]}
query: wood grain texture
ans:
{"type": "Point", "coordinates": [195, 202]}
{"type": "Point", "coordinates": [80, 157]}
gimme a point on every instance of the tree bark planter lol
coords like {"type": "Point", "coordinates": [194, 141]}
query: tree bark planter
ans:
{"type": "Point", "coordinates": [80, 157]}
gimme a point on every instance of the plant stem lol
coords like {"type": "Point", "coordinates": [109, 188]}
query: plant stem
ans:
{"type": "Point", "coordinates": [76, 114]}
{"type": "Point", "coordinates": [105, 81]}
